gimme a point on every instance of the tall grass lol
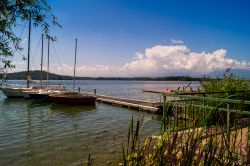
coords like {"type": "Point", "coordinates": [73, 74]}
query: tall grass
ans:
{"type": "Point", "coordinates": [205, 142]}
{"type": "Point", "coordinates": [186, 147]}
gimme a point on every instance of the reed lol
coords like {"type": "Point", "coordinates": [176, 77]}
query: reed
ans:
{"type": "Point", "coordinates": [204, 137]}
{"type": "Point", "coordinates": [185, 147]}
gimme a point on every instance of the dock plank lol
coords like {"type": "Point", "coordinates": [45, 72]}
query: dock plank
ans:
{"type": "Point", "coordinates": [140, 105]}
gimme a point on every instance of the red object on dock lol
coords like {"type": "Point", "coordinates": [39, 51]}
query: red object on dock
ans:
{"type": "Point", "coordinates": [168, 90]}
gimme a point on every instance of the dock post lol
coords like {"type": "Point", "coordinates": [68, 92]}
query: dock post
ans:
{"type": "Point", "coordinates": [94, 91]}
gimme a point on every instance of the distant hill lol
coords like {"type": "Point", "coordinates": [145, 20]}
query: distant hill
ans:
{"type": "Point", "coordinates": [36, 75]}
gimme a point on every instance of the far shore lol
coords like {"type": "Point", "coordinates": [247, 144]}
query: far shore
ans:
{"type": "Point", "coordinates": [36, 75]}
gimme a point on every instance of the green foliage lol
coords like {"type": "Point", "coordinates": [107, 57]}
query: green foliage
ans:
{"type": "Point", "coordinates": [12, 12]}
{"type": "Point", "coordinates": [229, 85]}
{"type": "Point", "coordinates": [188, 147]}
{"type": "Point", "coordinates": [203, 137]}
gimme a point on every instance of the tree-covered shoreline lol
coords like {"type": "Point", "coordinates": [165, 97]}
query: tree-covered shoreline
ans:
{"type": "Point", "coordinates": [36, 75]}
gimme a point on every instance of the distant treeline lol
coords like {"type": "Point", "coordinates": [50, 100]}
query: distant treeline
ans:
{"type": "Point", "coordinates": [36, 75]}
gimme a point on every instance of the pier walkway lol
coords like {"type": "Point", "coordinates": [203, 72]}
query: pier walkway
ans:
{"type": "Point", "coordinates": [148, 106]}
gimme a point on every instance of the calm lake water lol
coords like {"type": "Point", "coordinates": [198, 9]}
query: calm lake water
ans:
{"type": "Point", "coordinates": [34, 132]}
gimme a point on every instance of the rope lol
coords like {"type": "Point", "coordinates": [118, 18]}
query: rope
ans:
{"type": "Point", "coordinates": [58, 58]}
{"type": "Point", "coordinates": [35, 52]}
{"type": "Point", "coordinates": [53, 61]}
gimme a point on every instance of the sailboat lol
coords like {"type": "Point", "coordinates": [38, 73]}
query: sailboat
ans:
{"type": "Point", "coordinates": [17, 92]}
{"type": "Point", "coordinates": [73, 97]}
{"type": "Point", "coordinates": [11, 92]}
{"type": "Point", "coordinates": [44, 91]}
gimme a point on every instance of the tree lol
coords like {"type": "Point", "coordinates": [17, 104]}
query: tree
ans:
{"type": "Point", "coordinates": [12, 12]}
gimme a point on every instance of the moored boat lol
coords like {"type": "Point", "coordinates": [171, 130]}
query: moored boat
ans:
{"type": "Point", "coordinates": [13, 92]}
{"type": "Point", "coordinates": [39, 95]}
{"type": "Point", "coordinates": [25, 93]}
{"type": "Point", "coordinates": [17, 92]}
{"type": "Point", "coordinates": [73, 98]}
{"type": "Point", "coordinates": [43, 93]}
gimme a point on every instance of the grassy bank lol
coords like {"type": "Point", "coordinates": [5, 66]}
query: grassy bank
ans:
{"type": "Point", "coordinates": [213, 135]}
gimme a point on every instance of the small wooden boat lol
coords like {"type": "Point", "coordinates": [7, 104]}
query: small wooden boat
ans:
{"type": "Point", "coordinates": [75, 98]}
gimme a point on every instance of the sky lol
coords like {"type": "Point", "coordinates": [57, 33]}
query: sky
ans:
{"type": "Point", "coordinates": [127, 38]}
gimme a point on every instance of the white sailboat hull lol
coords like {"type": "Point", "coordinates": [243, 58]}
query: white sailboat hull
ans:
{"type": "Point", "coordinates": [12, 92]}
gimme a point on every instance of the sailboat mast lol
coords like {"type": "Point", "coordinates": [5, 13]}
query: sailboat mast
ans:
{"type": "Point", "coordinates": [48, 63]}
{"type": "Point", "coordinates": [42, 63]}
{"type": "Point", "coordinates": [28, 67]}
{"type": "Point", "coordinates": [75, 66]}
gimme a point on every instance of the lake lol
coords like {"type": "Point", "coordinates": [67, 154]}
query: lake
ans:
{"type": "Point", "coordinates": [35, 132]}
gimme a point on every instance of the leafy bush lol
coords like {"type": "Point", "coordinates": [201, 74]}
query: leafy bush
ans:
{"type": "Point", "coordinates": [230, 85]}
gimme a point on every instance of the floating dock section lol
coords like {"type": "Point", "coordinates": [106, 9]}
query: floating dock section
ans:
{"type": "Point", "coordinates": [148, 106]}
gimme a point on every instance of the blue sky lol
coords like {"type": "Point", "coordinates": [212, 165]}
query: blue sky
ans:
{"type": "Point", "coordinates": [112, 33]}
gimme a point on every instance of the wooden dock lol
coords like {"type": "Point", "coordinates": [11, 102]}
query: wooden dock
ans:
{"type": "Point", "coordinates": [148, 106]}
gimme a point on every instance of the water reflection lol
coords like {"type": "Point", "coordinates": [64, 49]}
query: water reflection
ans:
{"type": "Point", "coordinates": [37, 132]}
{"type": "Point", "coordinates": [38, 103]}
{"type": "Point", "coordinates": [29, 103]}
{"type": "Point", "coordinates": [72, 109]}
{"type": "Point", "coordinates": [10, 101]}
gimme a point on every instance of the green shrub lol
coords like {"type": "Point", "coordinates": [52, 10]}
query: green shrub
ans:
{"type": "Point", "coordinates": [230, 85]}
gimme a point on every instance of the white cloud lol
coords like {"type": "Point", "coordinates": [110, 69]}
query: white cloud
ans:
{"type": "Point", "coordinates": [161, 60]}
{"type": "Point", "coordinates": [177, 42]}
{"type": "Point", "coordinates": [180, 59]}
{"type": "Point", "coordinates": [97, 70]}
